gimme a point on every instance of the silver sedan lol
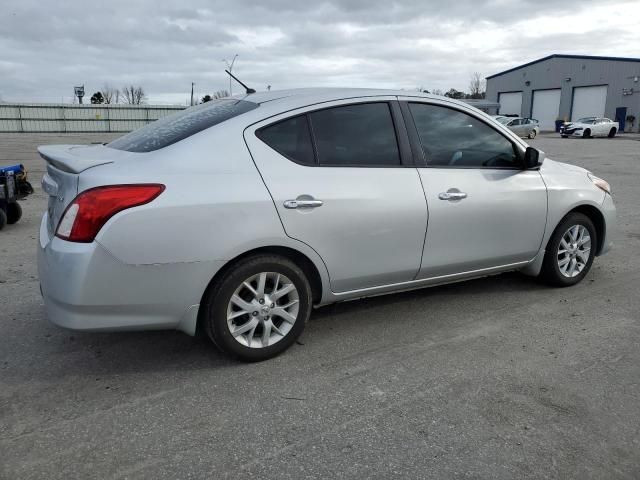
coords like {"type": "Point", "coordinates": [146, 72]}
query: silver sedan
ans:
{"type": "Point", "coordinates": [523, 127]}
{"type": "Point", "coordinates": [237, 217]}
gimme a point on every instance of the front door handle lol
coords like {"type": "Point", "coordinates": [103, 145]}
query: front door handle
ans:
{"type": "Point", "coordinates": [452, 194]}
{"type": "Point", "coordinates": [303, 203]}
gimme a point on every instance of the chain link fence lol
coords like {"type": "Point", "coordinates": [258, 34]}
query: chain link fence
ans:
{"type": "Point", "coordinates": [41, 118]}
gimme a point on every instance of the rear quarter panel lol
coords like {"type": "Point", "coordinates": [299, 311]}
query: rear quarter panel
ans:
{"type": "Point", "coordinates": [215, 205]}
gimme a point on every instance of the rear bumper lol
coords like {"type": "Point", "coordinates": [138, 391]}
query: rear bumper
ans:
{"type": "Point", "coordinates": [609, 212]}
{"type": "Point", "coordinates": [86, 288]}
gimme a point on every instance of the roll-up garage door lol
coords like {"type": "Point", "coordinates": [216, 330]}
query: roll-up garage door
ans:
{"type": "Point", "coordinates": [588, 102]}
{"type": "Point", "coordinates": [546, 105]}
{"type": "Point", "coordinates": [510, 103]}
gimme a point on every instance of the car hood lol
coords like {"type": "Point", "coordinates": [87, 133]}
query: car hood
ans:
{"type": "Point", "coordinates": [576, 125]}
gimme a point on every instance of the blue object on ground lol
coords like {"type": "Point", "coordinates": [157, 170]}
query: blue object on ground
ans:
{"type": "Point", "coordinates": [19, 168]}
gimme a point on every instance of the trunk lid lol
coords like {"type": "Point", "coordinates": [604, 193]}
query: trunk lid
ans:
{"type": "Point", "coordinates": [65, 163]}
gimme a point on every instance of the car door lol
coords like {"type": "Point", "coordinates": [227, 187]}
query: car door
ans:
{"type": "Point", "coordinates": [516, 126]}
{"type": "Point", "coordinates": [604, 126]}
{"type": "Point", "coordinates": [484, 210]}
{"type": "Point", "coordinates": [527, 126]}
{"type": "Point", "coordinates": [342, 184]}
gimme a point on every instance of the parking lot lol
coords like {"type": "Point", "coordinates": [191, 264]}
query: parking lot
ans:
{"type": "Point", "coordinates": [497, 378]}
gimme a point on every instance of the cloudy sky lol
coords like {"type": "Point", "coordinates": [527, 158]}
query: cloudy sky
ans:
{"type": "Point", "coordinates": [48, 46]}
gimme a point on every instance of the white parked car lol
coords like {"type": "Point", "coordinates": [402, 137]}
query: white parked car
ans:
{"type": "Point", "coordinates": [590, 127]}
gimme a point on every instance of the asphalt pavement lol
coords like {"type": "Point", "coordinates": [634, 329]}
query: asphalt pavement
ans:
{"type": "Point", "coordinates": [497, 378]}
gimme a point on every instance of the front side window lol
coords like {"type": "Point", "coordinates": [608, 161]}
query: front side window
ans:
{"type": "Point", "coordinates": [290, 138]}
{"type": "Point", "coordinates": [451, 138]}
{"type": "Point", "coordinates": [355, 135]}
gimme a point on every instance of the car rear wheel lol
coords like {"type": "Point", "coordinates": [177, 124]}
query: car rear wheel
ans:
{"type": "Point", "coordinates": [612, 133]}
{"type": "Point", "coordinates": [258, 308]}
{"type": "Point", "coordinates": [570, 251]}
{"type": "Point", "coordinates": [3, 218]}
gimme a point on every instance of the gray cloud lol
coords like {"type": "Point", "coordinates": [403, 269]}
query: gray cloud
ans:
{"type": "Point", "coordinates": [47, 47]}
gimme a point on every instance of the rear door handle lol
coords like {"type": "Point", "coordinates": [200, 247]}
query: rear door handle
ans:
{"type": "Point", "coordinates": [303, 203]}
{"type": "Point", "coordinates": [452, 195]}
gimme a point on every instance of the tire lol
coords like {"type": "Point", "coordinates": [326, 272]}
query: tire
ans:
{"type": "Point", "coordinates": [552, 271]}
{"type": "Point", "coordinates": [612, 132]}
{"type": "Point", "coordinates": [586, 133]}
{"type": "Point", "coordinates": [249, 344]}
{"type": "Point", "coordinates": [533, 134]}
{"type": "Point", "coordinates": [3, 218]}
{"type": "Point", "coordinates": [14, 213]}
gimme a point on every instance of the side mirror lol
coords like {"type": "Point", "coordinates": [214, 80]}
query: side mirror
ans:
{"type": "Point", "coordinates": [533, 157]}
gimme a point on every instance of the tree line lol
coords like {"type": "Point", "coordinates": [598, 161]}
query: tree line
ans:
{"type": "Point", "coordinates": [477, 89]}
{"type": "Point", "coordinates": [135, 95]}
{"type": "Point", "coordinates": [129, 94]}
{"type": "Point", "coordinates": [216, 96]}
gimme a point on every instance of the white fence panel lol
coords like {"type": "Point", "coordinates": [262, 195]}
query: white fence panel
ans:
{"type": "Point", "coordinates": [79, 118]}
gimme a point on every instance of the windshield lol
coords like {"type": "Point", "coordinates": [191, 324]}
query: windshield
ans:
{"type": "Point", "coordinates": [176, 127]}
{"type": "Point", "coordinates": [586, 120]}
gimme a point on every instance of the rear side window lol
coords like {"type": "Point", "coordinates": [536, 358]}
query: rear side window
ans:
{"type": "Point", "coordinates": [290, 138]}
{"type": "Point", "coordinates": [451, 138]}
{"type": "Point", "coordinates": [173, 128]}
{"type": "Point", "coordinates": [355, 135]}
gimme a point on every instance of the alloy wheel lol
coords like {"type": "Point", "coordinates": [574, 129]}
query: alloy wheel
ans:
{"type": "Point", "coordinates": [263, 310]}
{"type": "Point", "coordinates": [574, 251]}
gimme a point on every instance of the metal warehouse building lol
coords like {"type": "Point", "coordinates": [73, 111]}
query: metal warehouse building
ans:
{"type": "Point", "coordinates": [568, 87]}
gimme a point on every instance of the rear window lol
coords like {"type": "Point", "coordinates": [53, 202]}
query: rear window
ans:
{"type": "Point", "coordinates": [173, 128]}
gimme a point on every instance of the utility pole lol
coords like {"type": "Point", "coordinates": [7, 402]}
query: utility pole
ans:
{"type": "Point", "coordinates": [192, 84]}
{"type": "Point", "coordinates": [230, 68]}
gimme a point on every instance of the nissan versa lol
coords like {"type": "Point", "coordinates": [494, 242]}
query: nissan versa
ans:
{"type": "Point", "coordinates": [237, 216]}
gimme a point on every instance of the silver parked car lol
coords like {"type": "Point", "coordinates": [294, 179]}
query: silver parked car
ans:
{"type": "Point", "coordinates": [523, 127]}
{"type": "Point", "coordinates": [236, 217]}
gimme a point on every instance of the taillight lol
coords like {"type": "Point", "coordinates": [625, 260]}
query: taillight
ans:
{"type": "Point", "coordinates": [89, 211]}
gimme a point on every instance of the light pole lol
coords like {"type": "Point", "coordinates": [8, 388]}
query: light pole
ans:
{"type": "Point", "coordinates": [192, 84]}
{"type": "Point", "coordinates": [230, 68]}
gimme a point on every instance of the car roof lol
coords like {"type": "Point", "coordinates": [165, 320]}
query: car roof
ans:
{"type": "Point", "coordinates": [279, 101]}
{"type": "Point", "coordinates": [306, 96]}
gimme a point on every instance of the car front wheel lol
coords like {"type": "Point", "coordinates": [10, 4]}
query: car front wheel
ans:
{"type": "Point", "coordinates": [258, 308]}
{"type": "Point", "coordinates": [570, 251]}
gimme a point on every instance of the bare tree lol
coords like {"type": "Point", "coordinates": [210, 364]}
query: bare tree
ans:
{"type": "Point", "coordinates": [476, 86]}
{"type": "Point", "coordinates": [220, 94]}
{"type": "Point", "coordinates": [110, 94]}
{"type": "Point", "coordinates": [133, 95]}
{"type": "Point", "coordinates": [437, 91]}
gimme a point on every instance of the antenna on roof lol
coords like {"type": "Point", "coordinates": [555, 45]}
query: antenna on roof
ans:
{"type": "Point", "coordinates": [249, 90]}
